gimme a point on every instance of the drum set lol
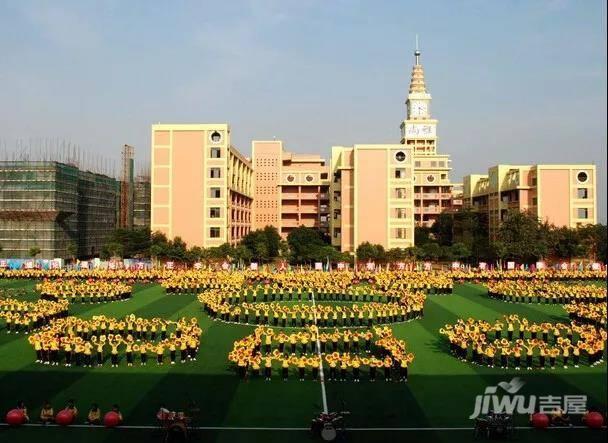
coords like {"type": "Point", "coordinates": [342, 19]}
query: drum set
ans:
{"type": "Point", "coordinates": [494, 426]}
{"type": "Point", "coordinates": [328, 426]}
{"type": "Point", "coordinates": [176, 426]}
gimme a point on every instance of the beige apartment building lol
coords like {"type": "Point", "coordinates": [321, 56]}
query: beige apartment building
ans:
{"type": "Point", "coordinates": [291, 190]}
{"type": "Point", "coordinates": [563, 195]}
{"type": "Point", "coordinates": [201, 186]}
{"type": "Point", "coordinates": [371, 196]}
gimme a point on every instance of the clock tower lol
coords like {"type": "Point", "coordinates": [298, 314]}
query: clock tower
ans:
{"type": "Point", "coordinates": [418, 123]}
{"type": "Point", "coordinates": [432, 186]}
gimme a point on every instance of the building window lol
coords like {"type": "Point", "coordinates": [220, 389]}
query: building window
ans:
{"type": "Point", "coordinates": [401, 192]}
{"type": "Point", "coordinates": [582, 213]}
{"type": "Point", "coordinates": [215, 137]}
{"type": "Point", "coordinates": [416, 164]}
{"type": "Point", "coordinates": [582, 193]}
{"type": "Point", "coordinates": [323, 175]}
{"type": "Point", "coordinates": [336, 232]}
{"type": "Point", "coordinates": [444, 176]}
{"type": "Point", "coordinates": [533, 181]}
{"type": "Point", "coordinates": [400, 173]}
{"type": "Point", "coordinates": [214, 232]}
{"type": "Point", "coordinates": [401, 213]}
{"type": "Point", "coordinates": [216, 153]}
{"type": "Point", "coordinates": [401, 233]}
{"type": "Point", "coordinates": [442, 164]}
{"type": "Point", "coordinates": [215, 193]}
{"type": "Point", "coordinates": [433, 164]}
{"type": "Point", "coordinates": [214, 212]}
{"type": "Point", "coordinates": [215, 173]}
{"type": "Point", "coordinates": [582, 177]}
{"type": "Point", "coordinates": [400, 156]}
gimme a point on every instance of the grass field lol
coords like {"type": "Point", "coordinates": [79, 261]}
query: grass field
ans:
{"type": "Point", "coordinates": [440, 394]}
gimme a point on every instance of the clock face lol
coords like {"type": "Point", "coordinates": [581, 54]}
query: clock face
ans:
{"type": "Point", "coordinates": [419, 109]}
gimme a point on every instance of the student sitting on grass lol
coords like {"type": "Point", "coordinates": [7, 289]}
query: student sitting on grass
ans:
{"type": "Point", "coordinates": [94, 415]}
{"type": "Point", "coordinates": [47, 414]}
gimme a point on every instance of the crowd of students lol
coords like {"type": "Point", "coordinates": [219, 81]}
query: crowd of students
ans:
{"type": "Point", "coordinates": [547, 292]}
{"type": "Point", "coordinates": [516, 342]}
{"type": "Point", "coordinates": [73, 341]}
{"type": "Point", "coordinates": [588, 313]}
{"type": "Point", "coordinates": [81, 291]}
{"type": "Point", "coordinates": [343, 354]}
{"type": "Point", "coordinates": [24, 316]}
{"type": "Point", "coordinates": [216, 304]}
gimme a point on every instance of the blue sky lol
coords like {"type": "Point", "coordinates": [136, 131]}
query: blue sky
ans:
{"type": "Point", "coordinates": [512, 81]}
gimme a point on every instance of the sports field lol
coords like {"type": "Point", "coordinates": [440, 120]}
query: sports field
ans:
{"type": "Point", "coordinates": [440, 393]}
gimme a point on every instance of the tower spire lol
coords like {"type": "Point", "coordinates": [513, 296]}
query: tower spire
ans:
{"type": "Point", "coordinates": [417, 82]}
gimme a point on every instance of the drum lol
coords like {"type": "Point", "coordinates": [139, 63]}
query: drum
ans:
{"type": "Point", "coordinates": [177, 432]}
{"type": "Point", "coordinates": [328, 433]}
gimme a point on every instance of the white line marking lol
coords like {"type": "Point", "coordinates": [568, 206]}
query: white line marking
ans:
{"type": "Point", "coordinates": [321, 373]}
{"type": "Point", "coordinates": [246, 428]}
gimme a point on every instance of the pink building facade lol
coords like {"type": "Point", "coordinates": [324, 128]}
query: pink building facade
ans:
{"type": "Point", "coordinates": [291, 190]}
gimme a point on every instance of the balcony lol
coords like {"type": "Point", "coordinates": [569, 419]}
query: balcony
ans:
{"type": "Point", "coordinates": [290, 223]}
{"type": "Point", "coordinates": [309, 210]}
{"type": "Point", "coordinates": [290, 209]}
{"type": "Point", "coordinates": [431, 210]}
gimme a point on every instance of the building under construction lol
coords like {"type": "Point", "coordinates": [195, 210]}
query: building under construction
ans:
{"type": "Point", "coordinates": [141, 201]}
{"type": "Point", "coordinates": [55, 208]}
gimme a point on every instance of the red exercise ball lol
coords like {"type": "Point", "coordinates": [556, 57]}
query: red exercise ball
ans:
{"type": "Point", "coordinates": [540, 421]}
{"type": "Point", "coordinates": [64, 417]}
{"type": "Point", "coordinates": [15, 417]}
{"type": "Point", "coordinates": [594, 420]}
{"type": "Point", "coordinates": [111, 419]}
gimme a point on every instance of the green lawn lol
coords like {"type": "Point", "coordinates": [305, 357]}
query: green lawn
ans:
{"type": "Point", "coordinates": [441, 391]}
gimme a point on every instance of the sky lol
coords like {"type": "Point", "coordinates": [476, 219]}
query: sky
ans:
{"type": "Point", "coordinates": [512, 81]}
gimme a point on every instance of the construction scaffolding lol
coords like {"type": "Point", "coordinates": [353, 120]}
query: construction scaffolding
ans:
{"type": "Point", "coordinates": [141, 200]}
{"type": "Point", "coordinates": [50, 209]}
{"type": "Point", "coordinates": [125, 219]}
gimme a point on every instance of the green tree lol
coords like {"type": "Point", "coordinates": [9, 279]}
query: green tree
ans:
{"type": "Point", "coordinates": [395, 255]}
{"type": "Point", "coordinates": [422, 235]}
{"type": "Point", "coordinates": [305, 244]}
{"type": "Point", "coordinates": [242, 255]}
{"type": "Point", "coordinates": [34, 251]}
{"type": "Point", "coordinates": [196, 254]}
{"type": "Point", "coordinates": [269, 237]}
{"type": "Point", "coordinates": [431, 251]}
{"type": "Point", "coordinates": [413, 253]}
{"type": "Point", "coordinates": [135, 242]}
{"type": "Point", "coordinates": [524, 237]}
{"type": "Point", "coordinates": [460, 251]}
{"type": "Point", "coordinates": [178, 250]}
{"type": "Point", "coordinates": [371, 252]}
{"type": "Point", "coordinates": [594, 239]}
{"type": "Point", "coordinates": [471, 229]}
{"type": "Point", "coordinates": [72, 251]}
{"type": "Point", "coordinates": [443, 229]}
{"type": "Point", "coordinates": [565, 243]}
{"type": "Point", "coordinates": [284, 250]}
{"type": "Point", "coordinates": [112, 249]}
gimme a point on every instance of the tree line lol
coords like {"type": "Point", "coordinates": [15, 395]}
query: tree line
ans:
{"type": "Point", "coordinates": [462, 236]}
{"type": "Point", "coordinates": [303, 246]}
